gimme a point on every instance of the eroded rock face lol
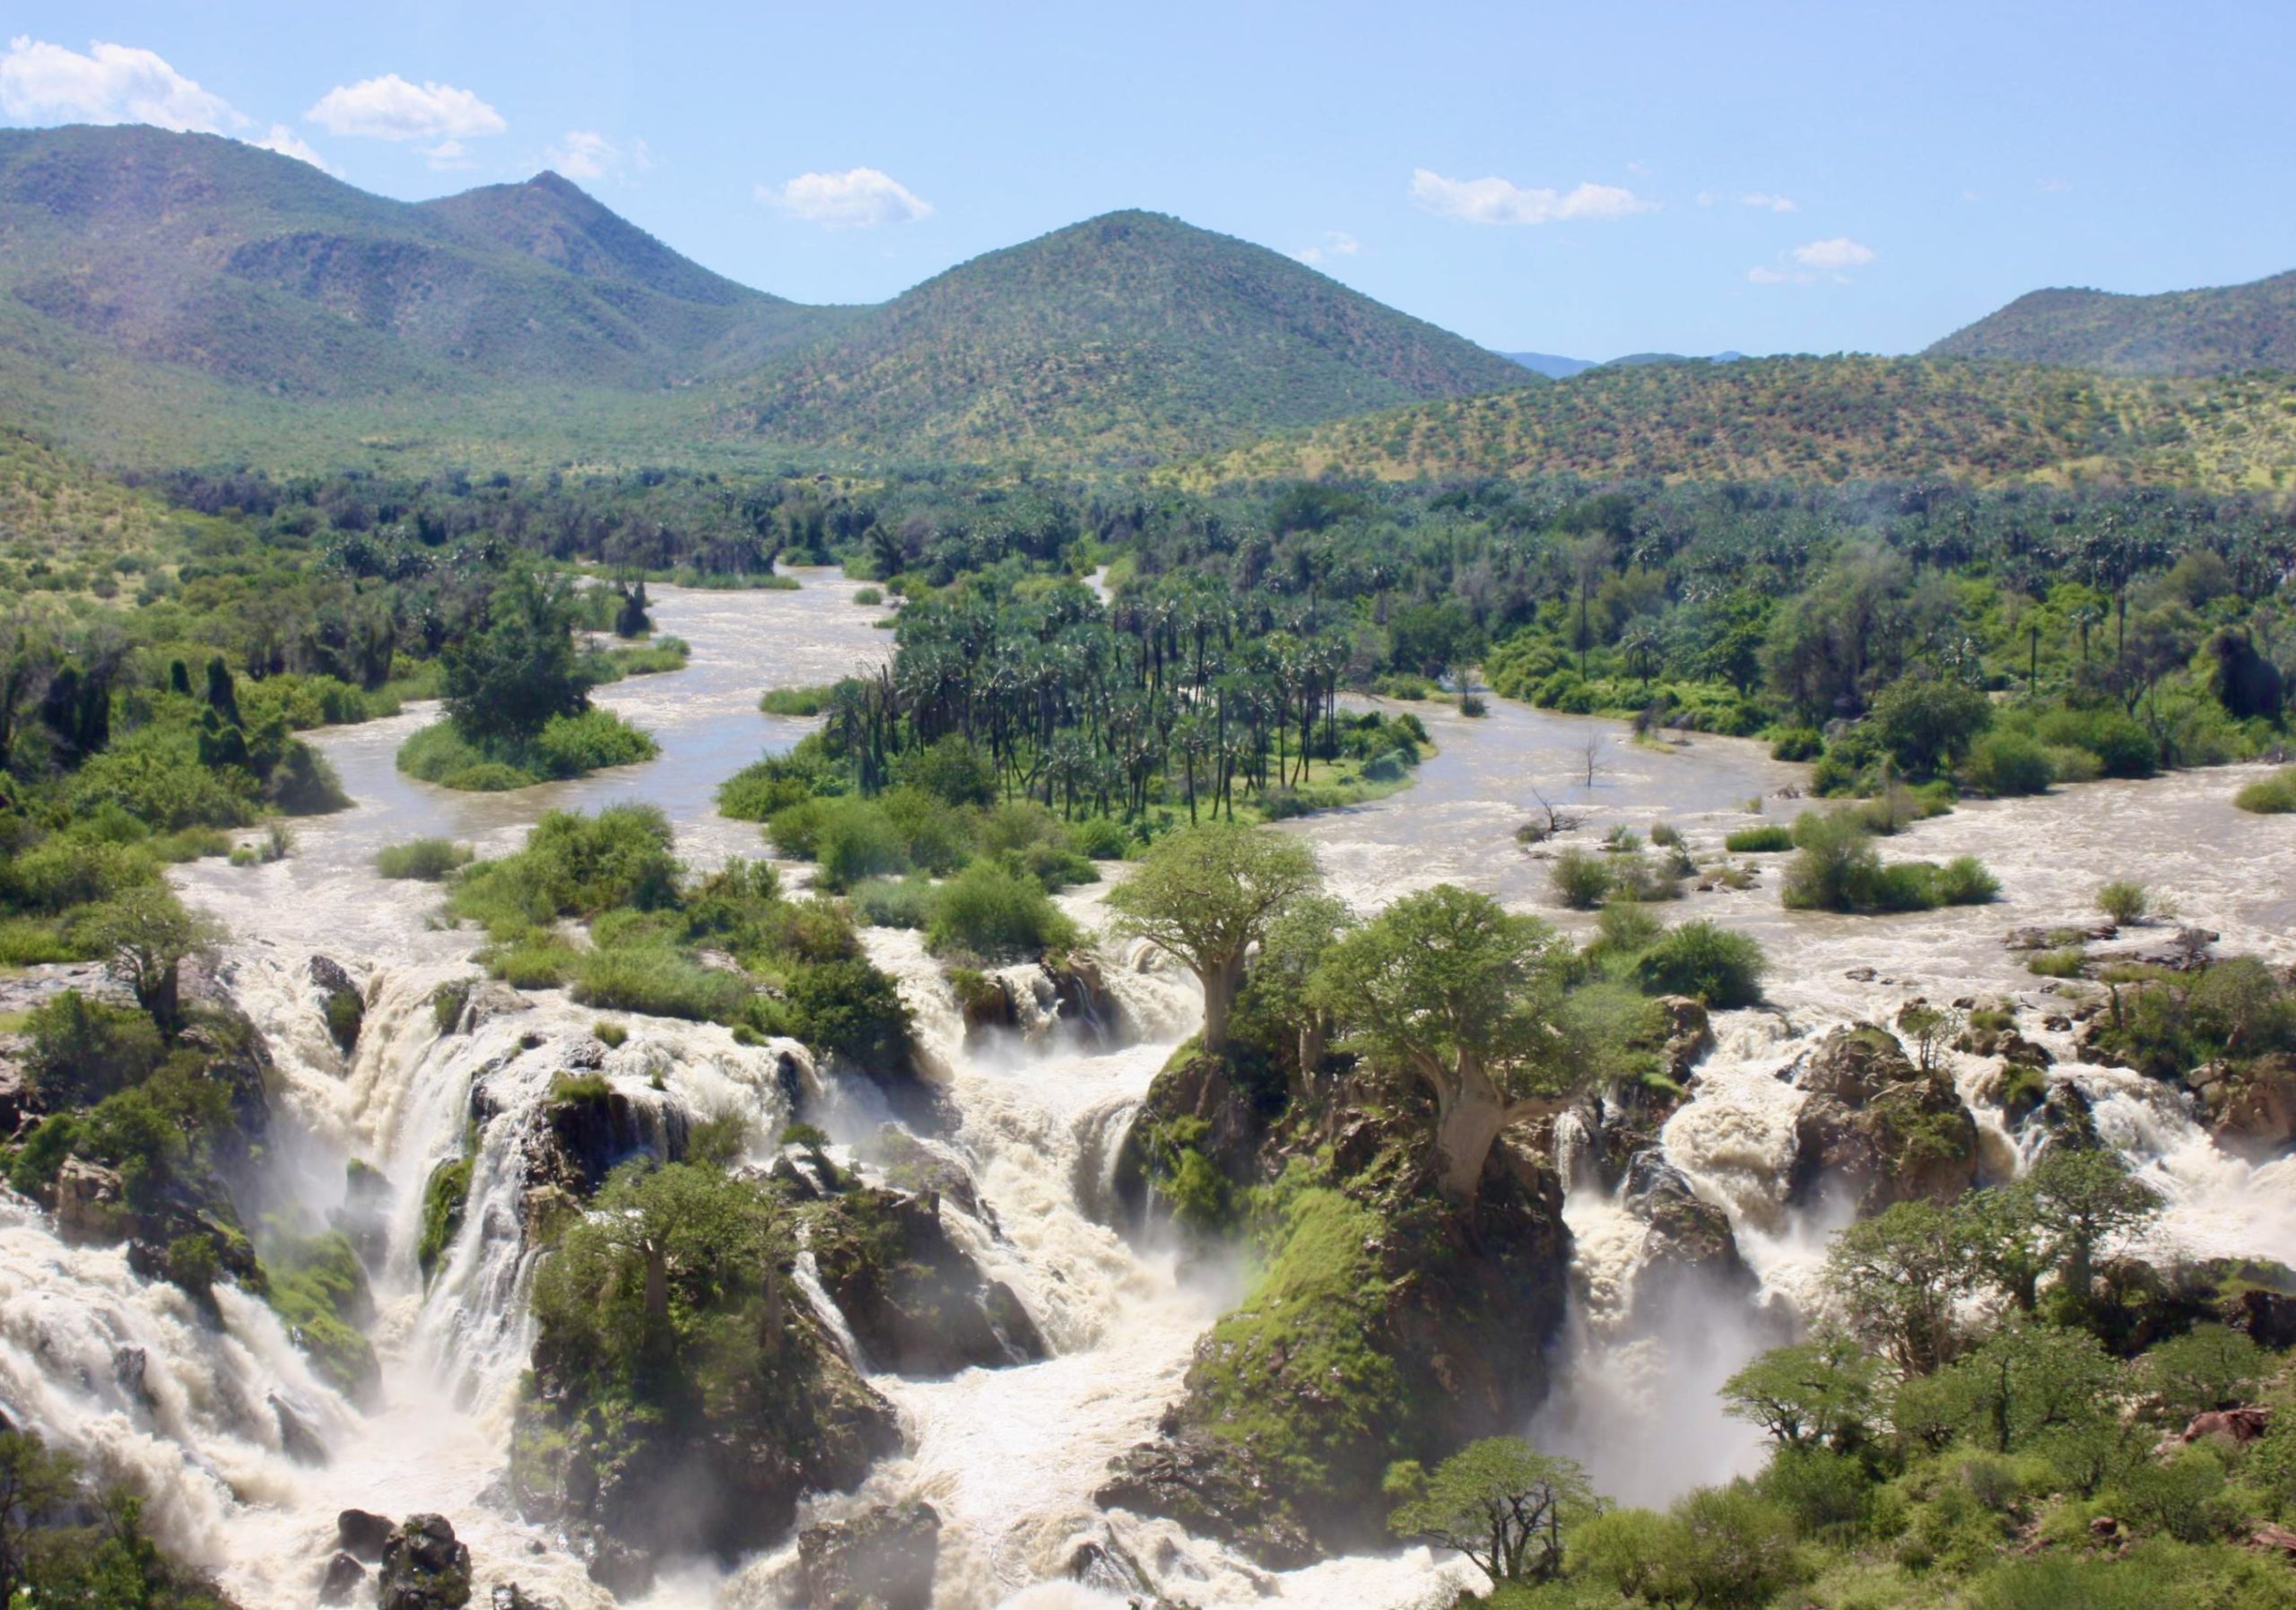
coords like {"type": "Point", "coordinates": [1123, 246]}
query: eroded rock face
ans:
{"type": "Point", "coordinates": [361, 1534]}
{"type": "Point", "coordinates": [340, 999]}
{"type": "Point", "coordinates": [2251, 1108]}
{"type": "Point", "coordinates": [917, 1304]}
{"type": "Point", "coordinates": [1690, 1237]}
{"type": "Point", "coordinates": [1876, 1129]}
{"type": "Point", "coordinates": [882, 1559]}
{"type": "Point", "coordinates": [424, 1566]}
{"type": "Point", "coordinates": [1200, 1097]}
{"type": "Point", "coordinates": [1451, 1310]}
{"type": "Point", "coordinates": [341, 1582]}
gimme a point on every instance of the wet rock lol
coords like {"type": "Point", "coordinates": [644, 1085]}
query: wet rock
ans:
{"type": "Point", "coordinates": [1690, 1237]}
{"type": "Point", "coordinates": [1205, 1100]}
{"type": "Point", "coordinates": [882, 1559]}
{"type": "Point", "coordinates": [1876, 1129]}
{"type": "Point", "coordinates": [488, 1000]}
{"type": "Point", "coordinates": [340, 999]}
{"type": "Point", "coordinates": [2251, 1107]}
{"type": "Point", "coordinates": [361, 1534]}
{"type": "Point", "coordinates": [297, 1439]}
{"type": "Point", "coordinates": [1690, 1035]}
{"type": "Point", "coordinates": [364, 1217]}
{"type": "Point", "coordinates": [2047, 939]}
{"type": "Point", "coordinates": [915, 1303]}
{"type": "Point", "coordinates": [912, 1166]}
{"type": "Point", "coordinates": [589, 1132]}
{"type": "Point", "coordinates": [90, 1202]}
{"type": "Point", "coordinates": [2269, 1318]}
{"type": "Point", "coordinates": [341, 1582]}
{"type": "Point", "coordinates": [509, 1596]}
{"type": "Point", "coordinates": [129, 1366]}
{"type": "Point", "coordinates": [1214, 1488]}
{"type": "Point", "coordinates": [424, 1566]}
{"type": "Point", "coordinates": [19, 1103]}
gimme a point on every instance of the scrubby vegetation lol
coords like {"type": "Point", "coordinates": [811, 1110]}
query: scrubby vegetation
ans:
{"type": "Point", "coordinates": [1836, 868]}
{"type": "Point", "coordinates": [660, 942]}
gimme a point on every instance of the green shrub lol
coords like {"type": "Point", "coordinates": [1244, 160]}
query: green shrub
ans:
{"type": "Point", "coordinates": [2273, 795]}
{"type": "Point", "coordinates": [1580, 879]}
{"type": "Point", "coordinates": [2121, 746]}
{"type": "Point", "coordinates": [659, 982]}
{"type": "Point", "coordinates": [2064, 963]}
{"type": "Point", "coordinates": [84, 1050]}
{"type": "Point", "coordinates": [29, 942]}
{"type": "Point", "coordinates": [851, 1010]}
{"type": "Point", "coordinates": [854, 838]}
{"type": "Point", "coordinates": [1835, 868]}
{"type": "Point", "coordinates": [62, 873]}
{"type": "Point", "coordinates": [566, 746]}
{"type": "Point", "coordinates": [574, 865]}
{"type": "Point", "coordinates": [426, 860]}
{"type": "Point", "coordinates": [991, 911]}
{"type": "Point", "coordinates": [1963, 880]}
{"type": "Point", "coordinates": [868, 597]}
{"type": "Point", "coordinates": [447, 1004]}
{"type": "Point", "coordinates": [2005, 764]}
{"type": "Point", "coordinates": [1100, 837]}
{"type": "Point", "coordinates": [1770, 839]}
{"type": "Point", "coordinates": [1797, 743]}
{"type": "Point", "coordinates": [795, 702]}
{"type": "Point", "coordinates": [1720, 966]}
{"type": "Point", "coordinates": [2123, 900]}
{"type": "Point", "coordinates": [610, 1034]}
{"type": "Point", "coordinates": [891, 903]}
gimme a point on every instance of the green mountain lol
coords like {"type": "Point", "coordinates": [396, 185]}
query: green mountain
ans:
{"type": "Point", "coordinates": [213, 257]}
{"type": "Point", "coordinates": [1811, 419]}
{"type": "Point", "coordinates": [2224, 330]}
{"type": "Point", "coordinates": [1128, 337]}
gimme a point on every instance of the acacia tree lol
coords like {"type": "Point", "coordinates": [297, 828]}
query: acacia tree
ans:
{"type": "Point", "coordinates": [144, 936]}
{"type": "Point", "coordinates": [1814, 1394]}
{"type": "Point", "coordinates": [1500, 1501]}
{"type": "Point", "coordinates": [1898, 1276]}
{"type": "Point", "coordinates": [1448, 985]}
{"type": "Point", "coordinates": [508, 679]}
{"type": "Point", "coordinates": [1207, 895]}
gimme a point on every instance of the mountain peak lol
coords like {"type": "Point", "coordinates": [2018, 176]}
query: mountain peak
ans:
{"type": "Point", "coordinates": [2217, 330]}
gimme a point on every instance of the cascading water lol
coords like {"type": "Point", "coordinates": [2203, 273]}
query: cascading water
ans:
{"type": "Point", "coordinates": [209, 1416]}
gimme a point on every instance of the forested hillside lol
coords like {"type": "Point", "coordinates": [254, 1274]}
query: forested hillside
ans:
{"type": "Point", "coordinates": [2217, 330]}
{"type": "Point", "coordinates": [1812, 419]}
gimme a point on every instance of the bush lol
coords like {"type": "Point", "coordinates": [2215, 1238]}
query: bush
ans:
{"type": "Point", "coordinates": [851, 1010]}
{"type": "Point", "coordinates": [610, 1034]}
{"type": "Point", "coordinates": [2123, 900]}
{"type": "Point", "coordinates": [575, 866]}
{"type": "Point", "coordinates": [1797, 743]}
{"type": "Point", "coordinates": [1100, 837]}
{"type": "Point", "coordinates": [867, 597]}
{"type": "Point", "coordinates": [2274, 795]}
{"type": "Point", "coordinates": [853, 840]}
{"type": "Point", "coordinates": [1770, 838]}
{"type": "Point", "coordinates": [659, 982]}
{"type": "Point", "coordinates": [443, 1196]}
{"type": "Point", "coordinates": [1580, 879]}
{"type": "Point", "coordinates": [566, 746]}
{"type": "Point", "coordinates": [1721, 966]}
{"type": "Point", "coordinates": [2064, 963]}
{"type": "Point", "coordinates": [2122, 748]}
{"type": "Point", "coordinates": [990, 911]}
{"type": "Point", "coordinates": [795, 701]}
{"type": "Point", "coordinates": [425, 860]}
{"type": "Point", "coordinates": [891, 903]}
{"type": "Point", "coordinates": [84, 1050]}
{"type": "Point", "coordinates": [2006, 763]}
{"type": "Point", "coordinates": [1835, 868]}
{"type": "Point", "coordinates": [1963, 880]}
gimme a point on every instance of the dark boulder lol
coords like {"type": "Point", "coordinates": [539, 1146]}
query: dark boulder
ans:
{"type": "Point", "coordinates": [1876, 1129]}
{"type": "Point", "coordinates": [340, 1001]}
{"type": "Point", "coordinates": [1199, 1103]}
{"type": "Point", "coordinates": [1213, 1488]}
{"type": "Point", "coordinates": [424, 1566]}
{"type": "Point", "coordinates": [917, 1304]}
{"type": "Point", "coordinates": [882, 1559]}
{"type": "Point", "coordinates": [341, 1582]}
{"type": "Point", "coordinates": [361, 1534]}
{"type": "Point", "coordinates": [2251, 1106]}
{"type": "Point", "coordinates": [1690, 1237]}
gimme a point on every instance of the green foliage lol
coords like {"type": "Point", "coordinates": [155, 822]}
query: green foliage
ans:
{"type": "Point", "coordinates": [564, 746]}
{"type": "Point", "coordinates": [2273, 795]}
{"type": "Point", "coordinates": [575, 866]}
{"type": "Point", "coordinates": [795, 702]}
{"type": "Point", "coordinates": [83, 1049]}
{"type": "Point", "coordinates": [851, 1010]}
{"type": "Point", "coordinates": [1499, 1501]}
{"type": "Point", "coordinates": [318, 1289]}
{"type": "Point", "coordinates": [991, 912]}
{"type": "Point", "coordinates": [2005, 764]}
{"type": "Point", "coordinates": [426, 860]}
{"type": "Point", "coordinates": [656, 979]}
{"type": "Point", "coordinates": [2123, 901]}
{"type": "Point", "coordinates": [1927, 723]}
{"type": "Point", "coordinates": [1836, 868]}
{"type": "Point", "coordinates": [1721, 966]}
{"type": "Point", "coordinates": [1770, 839]}
{"type": "Point", "coordinates": [445, 1196]}
{"type": "Point", "coordinates": [1580, 879]}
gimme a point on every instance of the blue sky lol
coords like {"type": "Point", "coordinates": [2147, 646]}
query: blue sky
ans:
{"type": "Point", "coordinates": [1583, 179]}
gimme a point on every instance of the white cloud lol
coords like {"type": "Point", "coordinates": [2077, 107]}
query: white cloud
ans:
{"type": "Point", "coordinates": [1769, 202]}
{"type": "Point", "coordinates": [1779, 277]}
{"type": "Point", "coordinates": [391, 109]}
{"type": "Point", "coordinates": [1499, 201]}
{"type": "Point", "coordinates": [857, 199]}
{"type": "Point", "coordinates": [288, 143]}
{"type": "Point", "coordinates": [1840, 253]}
{"type": "Point", "coordinates": [582, 153]}
{"type": "Point", "coordinates": [40, 82]}
{"type": "Point", "coordinates": [1336, 243]}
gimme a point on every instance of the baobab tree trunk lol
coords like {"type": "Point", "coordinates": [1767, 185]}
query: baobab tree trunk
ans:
{"type": "Point", "coordinates": [658, 1289]}
{"type": "Point", "coordinates": [1466, 1127]}
{"type": "Point", "coordinates": [1221, 980]}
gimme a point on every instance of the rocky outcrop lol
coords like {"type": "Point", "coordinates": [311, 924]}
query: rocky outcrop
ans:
{"type": "Point", "coordinates": [1690, 1237]}
{"type": "Point", "coordinates": [882, 1559]}
{"type": "Point", "coordinates": [1195, 1103]}
{"type": "Point", "coordinates": [341, 1581]}
{"type": "Point", "coordinates": [362, 1534]}
{"type": "Point", "coordinates": [424, 1566]}
{"type": "Point", "coordinates": [340, 1001]}
{"type": "Point", "coordinates": [2251, 1106]}
{"type": "Point", "coordinates": [1411, 1330]}
{"type": "Point", "coordinates": [917, 1303]}
{"type": "Point", "coordinates": [1876, 1129]}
